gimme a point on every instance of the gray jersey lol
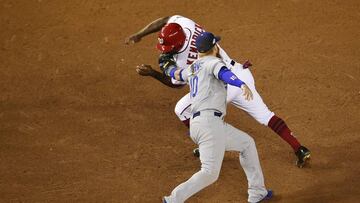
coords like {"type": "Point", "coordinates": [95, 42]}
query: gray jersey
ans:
{"type": "Point", "coordinates": [207, 92]}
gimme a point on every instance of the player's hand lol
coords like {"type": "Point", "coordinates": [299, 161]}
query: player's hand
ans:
{"type": "Point", "coordinates": [144, 70]}
{"type": "Point", "coordinates": [247, 92]}
{"type": "Point", "coordinates": [135, 38]}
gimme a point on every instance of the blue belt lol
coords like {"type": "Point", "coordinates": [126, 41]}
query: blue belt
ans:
{"type": "Point", "coordinates": [196, 114]}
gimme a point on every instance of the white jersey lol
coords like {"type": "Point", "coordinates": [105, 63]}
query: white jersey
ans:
{"type": "Point", "coordinates": [188, 53]}
{"type": "Point", "coordinates": [207, 92]}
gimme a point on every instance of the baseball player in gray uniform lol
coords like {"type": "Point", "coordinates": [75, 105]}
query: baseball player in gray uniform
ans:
{"type": "Point", "coordinates": [208, 77]}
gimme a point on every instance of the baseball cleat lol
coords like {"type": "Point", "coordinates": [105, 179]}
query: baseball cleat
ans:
{"type": "Point", "coordinates": [196, 152]}
{"type": "Point", "coordinates": [303, 155]}
{"type": "Point", "coordinates": [268, 196]}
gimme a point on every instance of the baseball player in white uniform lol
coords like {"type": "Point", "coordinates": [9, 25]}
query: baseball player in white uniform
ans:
{"type": "Point", "coordinates": [177, 43]}
{"type": "Point", "coordinates": [207, 78]}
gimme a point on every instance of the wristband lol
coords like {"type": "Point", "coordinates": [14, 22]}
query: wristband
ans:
{"type": "Point", "coordinates": [172, 72]}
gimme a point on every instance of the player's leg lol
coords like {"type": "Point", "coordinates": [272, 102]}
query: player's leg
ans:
{"type": "Point", "coordinates": [255, 107]}
{"type": "Point", "coordinates": [208, 135]}
{"type": "Point", "coordinates": [260, 112]}
{"type": "Point", "coordinates": [183, 112]}
{"type": "Point", "coordinates": [237, 140]}
{"type": "Point", "coordinates": [183, 109]}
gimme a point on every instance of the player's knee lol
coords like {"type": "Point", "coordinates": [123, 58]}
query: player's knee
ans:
{"type": "Point", "coordinates": [178, 110]}
{"type": "Point", "coordinates": [183, 113]}
{"type": "Point", "coordinates": [250, 142]}
{"type": "Point", "coordinates": [211, 178]}
{"type": "Point", "coordinates": [211, 175]}
{"type": "Point", "coordinates": [264, 118]}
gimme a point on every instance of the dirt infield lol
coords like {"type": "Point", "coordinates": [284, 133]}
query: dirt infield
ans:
{"type": "Point", "coordinates": [78, 124]}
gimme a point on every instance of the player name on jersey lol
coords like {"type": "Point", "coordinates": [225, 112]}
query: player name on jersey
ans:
{"type": "Point", "coordinates": [193, 55]}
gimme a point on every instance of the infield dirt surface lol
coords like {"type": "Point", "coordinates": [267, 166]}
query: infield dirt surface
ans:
{"type": "Point", "coordinates": [78, 124]}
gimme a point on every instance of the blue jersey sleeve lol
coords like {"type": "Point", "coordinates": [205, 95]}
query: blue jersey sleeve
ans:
{"type": "Point", "coordinates": [229, 77]}
{"type": "Point", "coordinates": [183, 74]}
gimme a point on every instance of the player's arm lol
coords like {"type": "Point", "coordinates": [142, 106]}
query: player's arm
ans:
{"type": "Point", "coordinates": [177, 74]}
{"type": "Point", "coordinates": [152, 27]}
{"type": "Point", "coordinates": [230, 78]}
{"type": "Point", "coordinates": [147, 70]}
{"type": "Point", "coordinates": [169, 67]}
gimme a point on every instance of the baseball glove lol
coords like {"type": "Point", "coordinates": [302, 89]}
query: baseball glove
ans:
{"type": "Point", "coordinates": [166, 61]}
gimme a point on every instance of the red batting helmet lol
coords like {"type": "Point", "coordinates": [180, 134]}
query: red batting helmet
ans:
{"type": "Point", "coordinates": [171, 38]}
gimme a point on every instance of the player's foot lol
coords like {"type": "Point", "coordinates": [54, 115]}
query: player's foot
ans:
{"type": "Point", "coordinates": [268, 196]}
{"type": "Point", "coordinates": [303, 155]}
{"type": "Point", "coordinates": [196, 152]}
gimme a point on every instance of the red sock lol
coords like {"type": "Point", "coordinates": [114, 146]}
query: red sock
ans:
{"type": "Point", "coordinates": [279, 126]}
{"type": "Point", "coordinates": [187, 123]}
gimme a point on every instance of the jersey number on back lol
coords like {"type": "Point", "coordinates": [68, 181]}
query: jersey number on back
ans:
{"type": "Point", "coordinates": [194, 86]}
